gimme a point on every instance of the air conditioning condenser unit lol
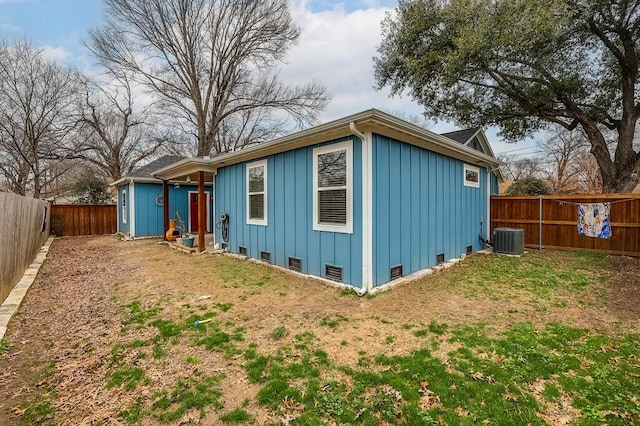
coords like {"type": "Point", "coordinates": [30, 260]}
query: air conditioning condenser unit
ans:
{"type": "Point", "coordinates": [508, 241]}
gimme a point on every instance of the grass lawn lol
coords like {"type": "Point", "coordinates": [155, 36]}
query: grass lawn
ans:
{"type": "Point", "coordinates": [494, 340]}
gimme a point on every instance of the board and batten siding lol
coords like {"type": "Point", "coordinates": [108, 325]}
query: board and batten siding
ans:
{"type": "Point", "coordinates": [149, 216]}
{"type": "Point", "coordinates": [289, 230]}
{"type": "Point", "coordinates": [123, 226]}
{"type": "Point", "coordinates": [421, 208]}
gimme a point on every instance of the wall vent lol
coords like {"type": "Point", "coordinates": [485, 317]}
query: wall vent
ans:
{"type": "Point", "coordinates": [224, 246]}
{"type": "Point", "coordinates": [242, 250]}
{"type": "Point", "coordinates": [295, 264]}
{"type": "Point", "coordinates": [439, 258]}
{"type": "Point", "coordinates": [265, 256]}
{"type": "Point", "coordinates": [508, 240]}
{"type": "Point", "coordinates": [333, 272]}
{"type": "Point", "coordinates": [469, 249]}
{"type": "Point", "coordinates": [396, 272]}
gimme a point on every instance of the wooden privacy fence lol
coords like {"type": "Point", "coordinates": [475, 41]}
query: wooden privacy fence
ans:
{"type": "Point", "coordinates": [83, 219]}
{"type": "Point", "coordinates": [24, 231]}
{"type": "Point", "coordinates": [551, 221]}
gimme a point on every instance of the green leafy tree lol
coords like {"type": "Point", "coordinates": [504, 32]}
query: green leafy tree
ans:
{"type": "Point", "coordinates": [91, 188]}
{"type": "Point", "coordinates": [528, 186]}
{"type": "Point", "coordinates": [522, 65]}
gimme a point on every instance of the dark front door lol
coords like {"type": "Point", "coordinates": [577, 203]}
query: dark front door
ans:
{"type": "Point", "coordinates": [193, 202]}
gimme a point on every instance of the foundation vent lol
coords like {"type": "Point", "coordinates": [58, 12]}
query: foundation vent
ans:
{"type": "Point", "coordinates": [439, 258]}
{"type": "Point", "coordinates": [265, 256]}
{"type": "Point", "coordinates": [295, 264]}
{"type": "Point", "coordinates": [242, 250]}
{"type": "Point", "coordinates": [396, 272]}
{"type": "Point", "coordinates": [333, 272]}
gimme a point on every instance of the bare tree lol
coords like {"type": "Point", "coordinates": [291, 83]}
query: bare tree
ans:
{"type": "Point", "coordinates": [118, 137]}
{"type": "Point", "coordinates": [515, 168]}
{"type": "Point", "coordinates": [560, 152]}
{"type": "Point", "coordinates": [210, 61]}
{"type": "Point", "coordinates": [36, 119]}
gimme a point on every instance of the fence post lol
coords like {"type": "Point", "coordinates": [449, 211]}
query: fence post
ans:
{"type": "Point", "coordinates": [540, 223]}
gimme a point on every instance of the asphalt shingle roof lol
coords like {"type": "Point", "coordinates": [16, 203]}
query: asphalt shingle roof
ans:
{"type": "Point", "coordinates": [461, 136]}
{"type": "Point", "coordinates": [147, 170]}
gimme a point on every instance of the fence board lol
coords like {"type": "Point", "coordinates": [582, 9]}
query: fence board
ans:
{"type": "Point", "coordinates": [560, 217]}
{"type": "Point", "coordinates": [21, 237]}
{"type": "Point", "coordinates": [82, 219]}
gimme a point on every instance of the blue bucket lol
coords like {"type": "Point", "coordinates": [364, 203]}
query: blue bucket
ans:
{"type": "Point", "coordinates": [188, 241]}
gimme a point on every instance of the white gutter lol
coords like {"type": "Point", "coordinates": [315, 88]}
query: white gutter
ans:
{"type": "Point", "coordinates": [367, 207]}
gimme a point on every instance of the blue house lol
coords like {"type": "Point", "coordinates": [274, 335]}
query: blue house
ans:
{"type": "Point", "coordinates": [362, 201]}
{"type": "Point", "coordinates": [141, 201]}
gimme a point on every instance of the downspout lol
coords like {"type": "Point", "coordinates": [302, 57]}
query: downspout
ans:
{"type": "Point", "coordinates": [367, 208]}
{"type": "Point", "coordinates": [132, 209]}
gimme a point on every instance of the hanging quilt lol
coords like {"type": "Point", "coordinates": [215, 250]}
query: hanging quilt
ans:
{"type": "Point", "coordinates": [593, 220]}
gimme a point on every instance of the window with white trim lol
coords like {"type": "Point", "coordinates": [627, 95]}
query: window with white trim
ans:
{"type": "Point", "coordinates": [124, 206]}
{"type": "Point", "coordinates": [257, 193]}
{"type": "Point", "coordinates": [471, 176]}
{"type": "Point", "coordinates": [333, 188]}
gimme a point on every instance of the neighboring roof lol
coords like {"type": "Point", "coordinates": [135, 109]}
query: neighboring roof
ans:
{"type": "Point", "coordinates": [146, 172]}
{"type": "Point", "coordinates": [371, 120]}
{"type": "Point", "coordinates": [462, 136]}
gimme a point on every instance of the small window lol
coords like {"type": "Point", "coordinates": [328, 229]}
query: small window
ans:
{"type": "Point", "coordinates": [471, 176]}
{"type": "Point", "coordinates": [124, 206]}
{"type": "Point", "coordinates": [332, 188]}
{"type": "Point", "coordinates": [257, 193]}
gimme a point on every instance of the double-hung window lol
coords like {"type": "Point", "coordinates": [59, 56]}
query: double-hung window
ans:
{"type": "Point", "coordinates": [471, 176]}
{"type": "Point", "coordinates": [257, 193]}
{"type": "Point", "coordinates": [124, 206]}
{"type": "Point", "coordinates": [333, 188]}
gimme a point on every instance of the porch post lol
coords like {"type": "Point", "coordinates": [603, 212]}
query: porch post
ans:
{"type": "Point", "coordinates": [202, 212]}
{"type": "Point", "coordinates": [165, 208]}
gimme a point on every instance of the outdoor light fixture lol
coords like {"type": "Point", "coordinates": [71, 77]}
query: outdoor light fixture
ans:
{"type": "Point", "coordinates": [188, 179]}
{"type": "Point", "coordinates": [176, 185]}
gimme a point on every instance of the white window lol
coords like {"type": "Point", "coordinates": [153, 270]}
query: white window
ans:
{"type": "Point", "coordinates": [471, 176]}
{"type": "Point", "coordinates": [333, 188]}
{"type": "Point", "coordinates": [257, 193]}
{"type": "Point", "coordinates": [124, 206]}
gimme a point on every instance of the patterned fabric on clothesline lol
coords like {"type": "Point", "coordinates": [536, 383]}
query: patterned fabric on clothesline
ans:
{"type": "Point", "coordinates": [593, 220]}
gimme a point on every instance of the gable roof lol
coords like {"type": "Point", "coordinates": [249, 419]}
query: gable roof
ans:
{"type": "Point", "coordinates": [146, 173]}
{"type": "Point", "coordinates": [462, 136]}
{"type": "Point", "coordinates": [372, 120]}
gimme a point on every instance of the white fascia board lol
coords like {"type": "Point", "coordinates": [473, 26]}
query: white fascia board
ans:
{"type": "Point", "coordinates": [373, 120]}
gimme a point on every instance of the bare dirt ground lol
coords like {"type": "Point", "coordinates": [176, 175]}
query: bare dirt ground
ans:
{"type": "Point", "coordinates": [71, 319]}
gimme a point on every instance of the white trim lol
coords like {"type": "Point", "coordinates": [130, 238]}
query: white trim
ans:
{"type": "Point", "coordinates": [468, 167]}
{"type": "Point", "coordinates": [367, 212]}
{"type": "Point", "coordinates": [341, 146]}
{"type": "Point", "coordinates": [207, 194]}
{"type": "Point", "coordinates": [488, 221]}
{"type": "Point", "coordinates": [124, 205]}
{"type": "Point", "coordinates": [132, 209]}
{"type": "Point", "coordinates": [255, 164]}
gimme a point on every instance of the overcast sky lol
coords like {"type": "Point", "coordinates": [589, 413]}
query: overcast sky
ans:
{"type": "Point", "coordinates": [336, 47]}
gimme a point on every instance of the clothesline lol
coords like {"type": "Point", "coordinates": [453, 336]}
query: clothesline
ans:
{"type": "Point", "coordinates": [565, 202]}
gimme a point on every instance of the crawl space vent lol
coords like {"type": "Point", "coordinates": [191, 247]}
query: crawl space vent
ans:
{"type": "Point", "coordinates": [295, 264]}
{"type": "Point", "coordinates": [333, 272]}
{"type": "Point", "coordinates": [396, 272]}
{"type": "Point", "coordinates": [469, 249]}
{"type": "Point", "coordinates": [242, 250]}
{"type": "Point", "coordinates": [265, 256]}
{"type": "Point", "coordinates": [440, 258]}
{"type": "Point", "coordinates": [224, 246]}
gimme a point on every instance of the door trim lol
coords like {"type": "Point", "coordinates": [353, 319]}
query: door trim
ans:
{"type": "Point", "coordinates": [207, 196]}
